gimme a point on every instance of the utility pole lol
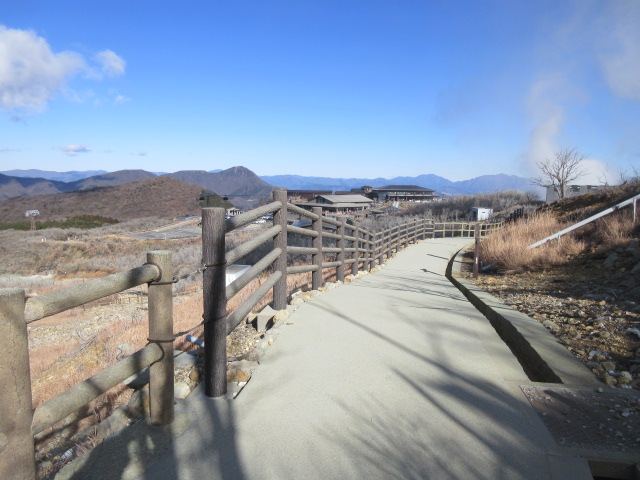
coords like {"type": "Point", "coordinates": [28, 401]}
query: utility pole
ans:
{"type": "Point", "coordinates": [32, 214]}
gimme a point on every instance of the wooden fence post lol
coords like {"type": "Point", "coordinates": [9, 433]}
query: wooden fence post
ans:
{"type": "Point", "coordinates": [317, 258]}
{"type": "Point", "coordinates": [17, 457]}
{"type": "Point", "coordinates": [406, 234]}
{"type": "Point", "coordinates": [161, 332]}
{"type": "Point", "coordinates": [215, 302]}
{"type": "Point", "coordinates": [476, 253]}
{"type": "Point", "coordinates": [356, 245]}
{"type": "Point", "coordinates": [368, 248]}
{"type": "Point", "coordinates": [280, 241]}
{"type": "Point", "coordinates": [341, 242]}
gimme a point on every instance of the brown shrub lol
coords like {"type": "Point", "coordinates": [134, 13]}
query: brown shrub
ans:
{"type": "Point", "coordinates": [508, 249]}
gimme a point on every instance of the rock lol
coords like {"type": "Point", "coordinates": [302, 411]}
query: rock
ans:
{"type": "Point", "coordinates": [181, 390]}
{"type": "Point", "coordinates": [609, 380]}
{"type": "Point", "coordinates": [611, 260]}
{"type": "Point", "coordinates": [634, 293]}
{"type": "Point", "coordinates": [552, 326]}
{"type": "Point", "coordinates": [609, 366]}
{"type": "Point", "coordinates": [194, 375]}
{"type": "Point", "coordinates": [280, 317]}
{"type": "Point", "coordinates": [296, 302]}
{"type": "Point", "coordinates": [237, 376]}
{"type": "Point", "coordinates": [625, 378]}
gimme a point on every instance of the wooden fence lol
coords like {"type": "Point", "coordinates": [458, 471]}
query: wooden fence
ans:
{"type": "Point", "coordinates": [19, 422]}
{"type": "Point", "coordinates": [355, 248]}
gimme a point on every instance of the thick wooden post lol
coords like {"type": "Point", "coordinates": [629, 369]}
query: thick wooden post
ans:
{"type": "Point", "coordinates": [280, 241]}
{"type": "Point", "coordinates": [476, 254]}
{"type": "Point", "coordinates": [356, 245]}
{"type": "Point", "coordinates": [406, 234]}
{"type": "Point", "coordinates": [161, 332]}
{"type": "Point", "coordinates": [215, 302]}
{"type": "Point", "coordinates": [317, 258]}
{"type": "Point", "coordinates": [380, 247]}
{"type": "Point", "coordinates": [341, 246]}
{"type": "Point", "coordinates": [369, 250]}
{"type": "Point", "coordinates": [17, 457]}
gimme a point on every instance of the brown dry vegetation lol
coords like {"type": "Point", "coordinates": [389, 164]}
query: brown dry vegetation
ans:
{"type": "Point", "coordinates": [508, 249]}
{"type": "Point", "coordinates": [583, 288]}
{"type": "Point", "coordinates": [163, 197]}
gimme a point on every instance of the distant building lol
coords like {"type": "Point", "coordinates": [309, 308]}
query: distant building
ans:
{"type": "Point", "coordinates": [572, 191]}
{"type": "Point", "coordinates": [478, 214]}
{"type": "Point", "coordinates": [295, 196]}
{"type": "Point", "coordinates": [400, 193]}
{"type": "Point", "coordinates": [339, 203]}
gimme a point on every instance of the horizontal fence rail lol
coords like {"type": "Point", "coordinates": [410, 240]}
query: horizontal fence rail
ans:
{"type": "Point", "coordinates": [329, 243]}
{"type": "Point", "coordinates": [19, 421]}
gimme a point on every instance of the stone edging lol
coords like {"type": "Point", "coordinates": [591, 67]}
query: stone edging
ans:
{"type": "Point", "coordinates": [537, 350]}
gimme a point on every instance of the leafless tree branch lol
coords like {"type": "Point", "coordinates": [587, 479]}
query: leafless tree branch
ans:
{"type": "Point", "coordinates": [558, 172]}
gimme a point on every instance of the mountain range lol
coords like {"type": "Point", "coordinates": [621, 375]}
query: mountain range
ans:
{"type": "Point", "coordinates": [442, 186]}
{"type": "Point", "coordinates": [239, 185]}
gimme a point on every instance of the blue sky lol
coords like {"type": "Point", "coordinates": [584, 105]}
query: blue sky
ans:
{"type": "Point", "coordinates": [348, 88]}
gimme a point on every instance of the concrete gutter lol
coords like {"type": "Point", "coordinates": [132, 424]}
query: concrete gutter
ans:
{"type": "Point", "coordinates": [543, 358]}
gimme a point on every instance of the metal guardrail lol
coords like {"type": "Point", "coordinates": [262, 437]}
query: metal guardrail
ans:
{"type": "Point", "coordinates": [615, 208]}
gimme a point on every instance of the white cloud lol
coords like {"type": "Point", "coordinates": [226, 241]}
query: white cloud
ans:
{"type": "Point", "coordinates": [121, 99]}
{"type": "Point", "coordinates": [73, 150]}
{"type": "Point", "coordinates": [111, 64]}
{"type": "Point", "coordinates": [30, 73]}
{"type": "Point", "coordinates": [619, 50]}
{"type": "Point", "coordinates": [547, 115]}
{"type": "Point", "coordinates": [598, 172]}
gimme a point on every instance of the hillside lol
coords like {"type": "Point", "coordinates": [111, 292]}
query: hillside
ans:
{"type": "Point", "coordinates": [17, 186]}
{"type": "Point", "coordinates": [11, 187]}
{"type": "Point", "coordinates": [152, 197]}
{"type": "Point", "coordinates": [243, 187]}
{"type": "Point", "coordinates": [109, 179]}
{"type": "Point", "coordinates": [70, 176]}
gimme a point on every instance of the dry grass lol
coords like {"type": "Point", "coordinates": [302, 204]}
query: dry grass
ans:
{"type": "Point", "coordinates": [613, 231]}
{"type": "Point", "coordinates": [507, 250]}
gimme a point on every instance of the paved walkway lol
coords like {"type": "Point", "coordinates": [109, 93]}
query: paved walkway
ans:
{"type": "Point", "coordinates": [395, 375]}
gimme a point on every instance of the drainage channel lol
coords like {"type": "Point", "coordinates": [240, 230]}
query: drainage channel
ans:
{"type": "Point", "coordinates": [534, 366]}
{"type": "Point", "coordinates": [576, 418]}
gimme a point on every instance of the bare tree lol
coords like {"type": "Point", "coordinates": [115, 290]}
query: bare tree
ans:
{"type": "Point", "coordinates": [558, 172]}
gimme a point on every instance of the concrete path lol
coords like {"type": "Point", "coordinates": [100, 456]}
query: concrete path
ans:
{"type": "Point", "coordinates": [395, 375]}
